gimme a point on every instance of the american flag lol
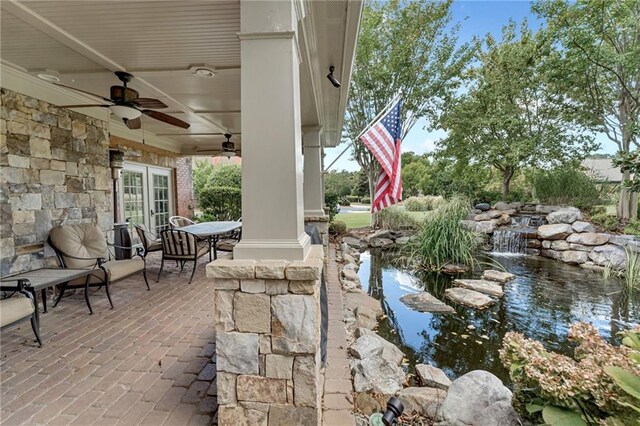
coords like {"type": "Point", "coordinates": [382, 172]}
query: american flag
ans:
{"type": "Point", "coordinates": [383, 140]}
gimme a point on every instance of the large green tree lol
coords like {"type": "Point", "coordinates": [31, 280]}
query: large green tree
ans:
{"type": "Point", "coordinates": [406, 47]}
{"type": "Point", "coordinates": [512, 116]}
{"type": "Point", "coordinates": [599, 68]}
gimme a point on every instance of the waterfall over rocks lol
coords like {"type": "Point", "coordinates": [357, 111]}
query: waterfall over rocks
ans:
{"type": "Point", "coordinates": [509, 240]}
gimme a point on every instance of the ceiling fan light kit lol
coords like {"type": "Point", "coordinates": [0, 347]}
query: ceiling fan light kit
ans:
{"type": "Point", "coordinates": [125, 112]}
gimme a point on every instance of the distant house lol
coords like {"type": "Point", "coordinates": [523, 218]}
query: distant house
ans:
{"type": "Point", "coordinates": [602, 170]}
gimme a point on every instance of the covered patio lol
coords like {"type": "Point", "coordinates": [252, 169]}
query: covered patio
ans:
{"type": "Point", "coordinates": [256, 70]}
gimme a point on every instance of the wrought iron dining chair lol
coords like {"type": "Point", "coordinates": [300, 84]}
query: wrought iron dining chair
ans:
{"type": "Point", "coordinates": [180, 221]}
{"type": "Point", "coordinates": [183, 247]}
{"type": "Point", "coordinates": [18, 307]}
{"type": "Point", "coordinates": [150, 242]}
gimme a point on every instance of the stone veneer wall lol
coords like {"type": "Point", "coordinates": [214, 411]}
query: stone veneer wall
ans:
{"type": "Point", "coordinates": [267, 316]}
{"type": "Point", "coordinates": [54, 168]}
{"type": "Point", "coordinates": [322, 223]}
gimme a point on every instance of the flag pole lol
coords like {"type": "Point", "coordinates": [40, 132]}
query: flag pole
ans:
{"type": "Point", "coordinates": [384, 110]}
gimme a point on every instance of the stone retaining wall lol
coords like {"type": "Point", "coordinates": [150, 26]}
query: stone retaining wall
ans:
{"type": "Point", "coordinates": [564, 236]}
{"type": "Point", "coordinates": [267, 316]}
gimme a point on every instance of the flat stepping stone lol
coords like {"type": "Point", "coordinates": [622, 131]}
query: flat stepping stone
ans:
{"type": "Point", "coordinates": [467, 297]}
{"type": "Point", "coordinates": [482, 286]}
{"type": "Point", "coordinates": [499, 276]}
{"type": "Point", "coordinates": [425, 302]}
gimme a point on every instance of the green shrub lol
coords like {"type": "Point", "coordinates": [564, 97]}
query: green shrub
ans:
{"type": "Point", "coordinates": [395, 219]}
{"type": "Point", "coordinates": [564, 185]}
{"type": "Point", "coordinates": [337, 227]}
{"type": "Point", "coordinates": [423, 204]}
{"type": "Point", "coordinates": [366, 200]}
{"type": "Point", "coordinates": [205, 174]}
{"type": "Point", "coordinates": [443, 239]}
{"type": "Point", "coordinates": [220, 203]}
{"type": "Point", "coordinates": [353, 198]}
{"type": "Point", "coordinates": [605, 221]}
{"type": "Point", "coordinates": [633, 228]}
{"type": "Point", "coordinates": [331, 204]}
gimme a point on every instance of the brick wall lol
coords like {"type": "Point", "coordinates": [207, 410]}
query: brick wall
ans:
{"type": "Point", "coordinates": [184, 187]}
{"type": "Point", "coordinates": [54, 169]}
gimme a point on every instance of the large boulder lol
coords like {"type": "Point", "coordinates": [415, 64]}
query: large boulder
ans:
{"type": "Point", "coordinates": [371, 345]}
{"type": "Point", "coordinates": [580, 226]}
{"type": "Point", "coordinates": [360, 298]}
{"type": "Point", "coordinates": [354, 242]}
{"type": "Point", "coordinates": [381, 242]}
{"type": "Point", "coordinates": [425, 302]}
{"type": "Point", "coordinates": [365, 317]}
{"type": "Point", "coordinates": [555, 231]}
{"type": "Point", "coordinates": [551, 254]}
{"type": "Point", "coordinates": [501, 205]}
{"type": "Point", "coordinates": [424, 401]}
{"type": "Point", "coordinates": [470, 225]}
{"type": "Point", "coordinates": [474, 398]}
{"type": "Point", "coordinates": [432, 377]}
{"type": "Point", "coordinates": [504, 219]}
{"type": "Point", "coordinates": [487, 226]}
{"type": "Point", "coordinates": [564, 215]}
{"type": "Point", "coordinates": [491, 214]}
{"type": "Point", "coordinates": [578, 257]}
{"type": "Point", "coordinates": [609, 255]}
{"type": "Point", "coordinates": [588, 239]}
{"type": "Point", "coordinates": [559, 245]}
{"type": "Point", "coordinates": [579, 247]}
{"type": "Point", "coordinates": [377, 375]}
{"type": "Point", "coordinates": [544, 209]}
{"type": "Point", "coordinates": [499, 276]}
{"type": "Point", "coordinates": [483, 206]}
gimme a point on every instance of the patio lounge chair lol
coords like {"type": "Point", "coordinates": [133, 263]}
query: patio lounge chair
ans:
{"type": "Point", "coordinates": [18, 307]}
{"type": "Point", "coordinates": [149, 242]}
{"type": "Point", "coordinates": [84, 246]}
{"type": "Point", "coordinates": [183, 247]}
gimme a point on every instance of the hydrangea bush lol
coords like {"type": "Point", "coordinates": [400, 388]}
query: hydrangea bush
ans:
{"type": "Point", "coordinates": [598, 385]}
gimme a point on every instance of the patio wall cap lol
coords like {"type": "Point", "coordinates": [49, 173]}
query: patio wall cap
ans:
{"type": "Point", "coordinates": [229, 268]}
{"type": "Point", "coordinates": [316, 218]}
{"type": "Point", "coordinates": [271, 269]}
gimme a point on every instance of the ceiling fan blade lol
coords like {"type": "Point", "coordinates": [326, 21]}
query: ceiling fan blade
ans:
{"type": "Point", "coordinates": [85, 92]}
{"type": "Point", "coordinates": [149, 103]}
{"type": "Point", "coordinates": [134, 124]}
{"type": "Point", "coordinates": [85, 106]}
{"type": "Point", "coordinates": [161, 116]}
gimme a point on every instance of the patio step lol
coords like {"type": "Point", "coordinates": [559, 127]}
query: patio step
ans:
{"type": "Point", "coordinates": [425, 302]}
{"type": "Point", "coordinates": [468, 297]}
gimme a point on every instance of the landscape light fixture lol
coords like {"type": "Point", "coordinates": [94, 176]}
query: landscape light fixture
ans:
{"type": "Point", "coordinates": [331, 78]}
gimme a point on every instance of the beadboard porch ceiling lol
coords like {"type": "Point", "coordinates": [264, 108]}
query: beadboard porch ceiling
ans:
{"type": "Point", "coordinates": [158, 42]}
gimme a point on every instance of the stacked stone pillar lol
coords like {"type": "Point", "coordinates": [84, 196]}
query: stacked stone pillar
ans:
{"type": "Point", "coordinates": [267, 316]}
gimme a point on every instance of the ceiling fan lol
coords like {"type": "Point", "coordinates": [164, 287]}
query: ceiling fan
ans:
{"type": "Point", "coordinates": [125, 104]}
{"type": "Point", "coordinates": [228, 148]}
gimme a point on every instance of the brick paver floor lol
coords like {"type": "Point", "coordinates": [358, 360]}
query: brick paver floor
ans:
{"type": "Point", "coordinates": [148, 361]}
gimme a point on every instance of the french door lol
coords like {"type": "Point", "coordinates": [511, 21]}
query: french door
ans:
{"type": "Point", "coordinates": [147, 196]}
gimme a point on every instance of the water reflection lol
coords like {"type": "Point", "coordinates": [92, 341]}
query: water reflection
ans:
{"type": "Point", "coordinates": [542, 302]}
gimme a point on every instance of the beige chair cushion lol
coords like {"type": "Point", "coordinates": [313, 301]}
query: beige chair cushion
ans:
{"type": "Point", "coordinates": [155, 245]}
{"type": "Point", "coordinates": [14, 309]}
{"type": "Point", "coordinates": [117, 269]}
{"type": "Point", "coordinates": [83, 240]}
{"type": "Point", "coordinates": [202, 250]}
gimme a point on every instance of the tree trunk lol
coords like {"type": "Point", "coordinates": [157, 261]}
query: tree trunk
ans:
{"type": "Point", "coordinates": [628, 204]}
{"type": "Point", "coordinates": [507, 174]}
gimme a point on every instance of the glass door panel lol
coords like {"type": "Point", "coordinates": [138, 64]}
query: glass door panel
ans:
{"type": "Point", "coordinates": [160, 191]}
{"type": "Point", "coordinates": [133, 196]}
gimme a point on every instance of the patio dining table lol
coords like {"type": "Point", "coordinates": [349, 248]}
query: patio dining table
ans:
{"type": "Point", "coordinates": [212, 232]}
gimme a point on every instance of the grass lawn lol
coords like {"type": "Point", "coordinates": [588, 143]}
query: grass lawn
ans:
{"type": "Point", "coordinates": [362, 219]}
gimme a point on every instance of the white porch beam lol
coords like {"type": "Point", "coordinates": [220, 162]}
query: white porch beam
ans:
{"type": "Point", "coordinates": [313, 186]}
{"type": "Point", "coordinates": [272, 198]}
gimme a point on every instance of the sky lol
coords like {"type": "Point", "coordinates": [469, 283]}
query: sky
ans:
{"type": "Point", "coordinates": [477, 18]}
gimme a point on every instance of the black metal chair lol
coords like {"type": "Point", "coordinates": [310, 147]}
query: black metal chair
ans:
{"type": "Point", "coordinates": [182, 247]}
{"type": "Point", "coordinates": [149, 242]}
{"type": "Point", "coordinates": [14, 309]}
{"type": "Point", "coordinates": [84, 246]}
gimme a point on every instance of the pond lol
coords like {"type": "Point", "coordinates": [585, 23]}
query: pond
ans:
{"type": "Point", "coordinates": [542, 302]}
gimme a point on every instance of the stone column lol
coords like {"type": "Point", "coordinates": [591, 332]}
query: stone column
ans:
{"type": "Point", "coordinates": [272, 200]}
{"type": "Point", "coordinates": [267, 316]}
{"type": "Point", "coordinates": [313, 180]}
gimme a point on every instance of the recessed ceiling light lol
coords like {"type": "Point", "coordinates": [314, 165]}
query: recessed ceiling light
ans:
{"type": "Point", "coordinates": [51, 78]}
{"type": "Point", "coordinates": [204, 72]}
